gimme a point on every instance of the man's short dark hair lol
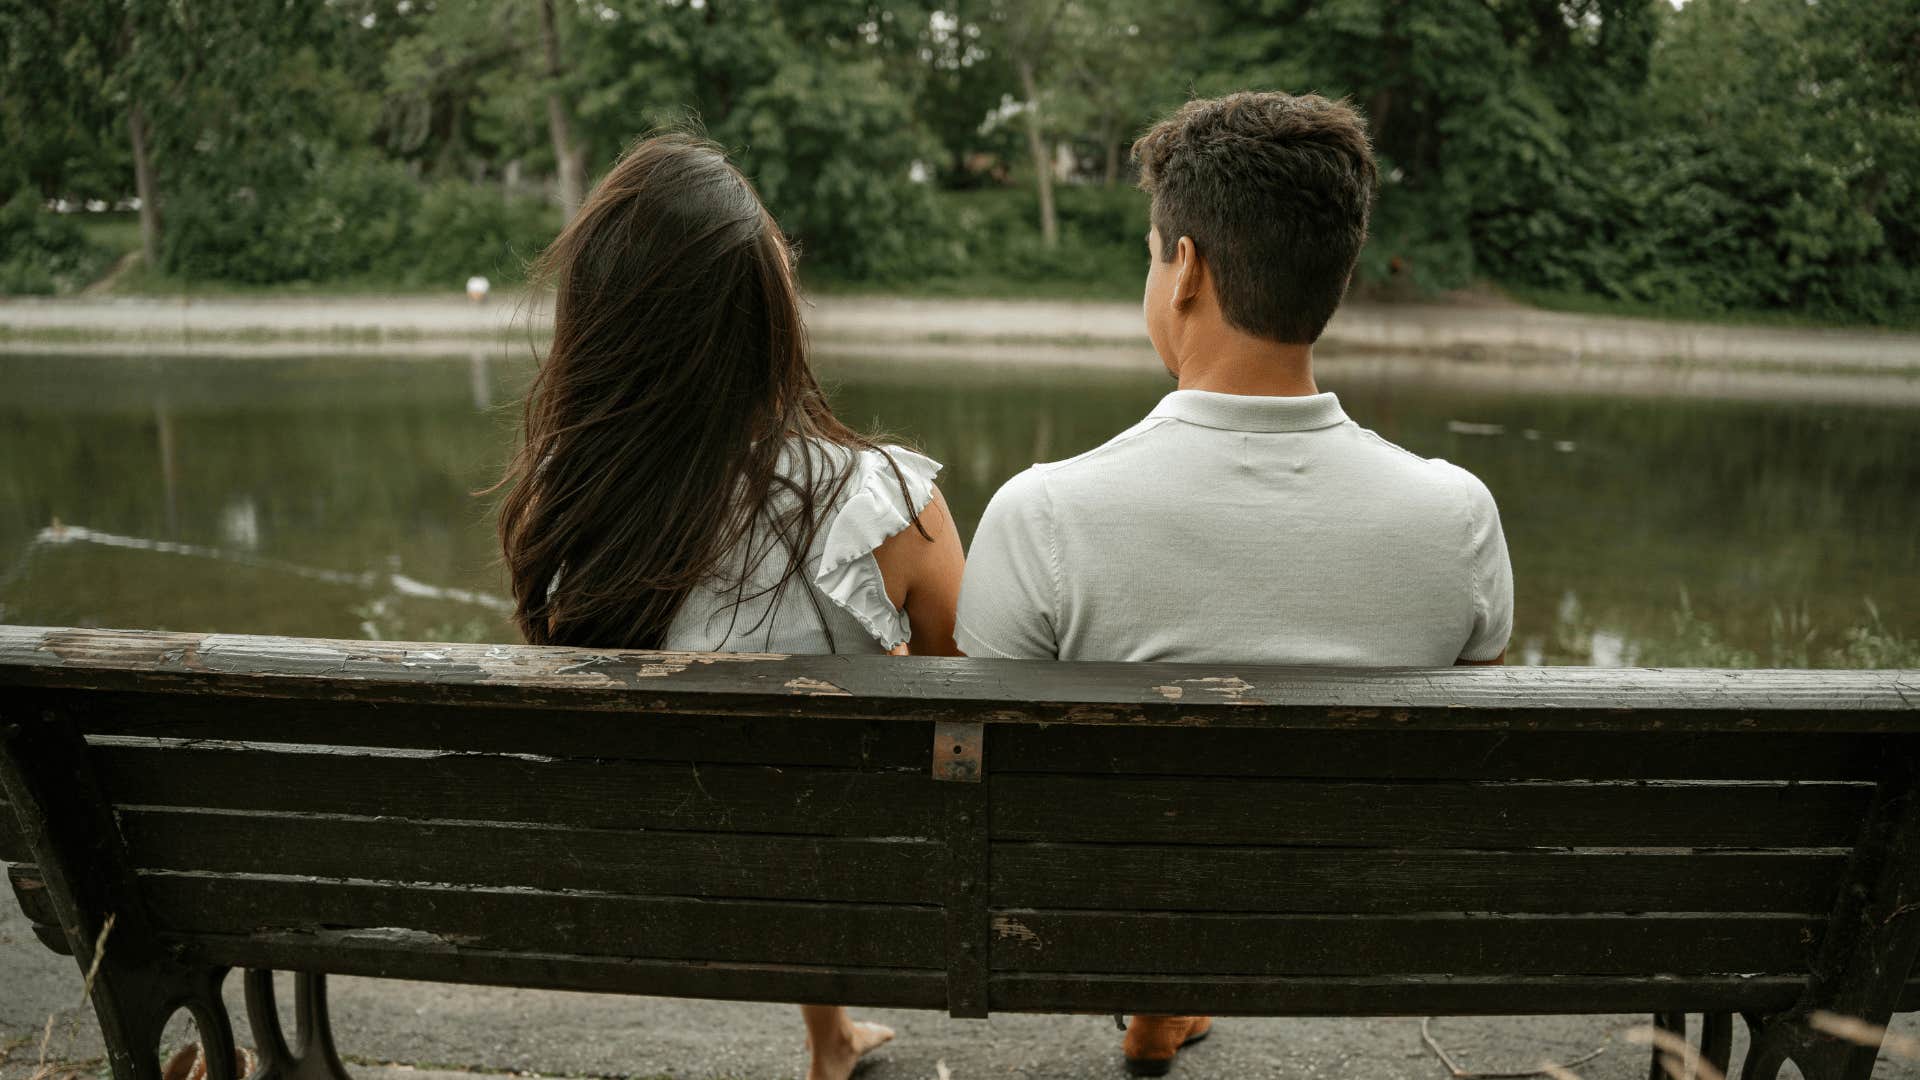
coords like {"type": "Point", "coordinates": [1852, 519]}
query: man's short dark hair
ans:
{"type": "Point", "coordinates": [1274, 191]}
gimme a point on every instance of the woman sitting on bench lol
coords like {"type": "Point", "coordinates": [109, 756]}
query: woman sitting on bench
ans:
{"type": "Point", "coordinates": [683, 483]}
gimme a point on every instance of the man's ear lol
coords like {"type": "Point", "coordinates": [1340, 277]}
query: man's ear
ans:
{"type": "Point", "coordinates": [1189, 271]}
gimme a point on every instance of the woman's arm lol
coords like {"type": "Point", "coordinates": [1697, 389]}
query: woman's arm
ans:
{"type": "Point", "coordinates": [923, 578]}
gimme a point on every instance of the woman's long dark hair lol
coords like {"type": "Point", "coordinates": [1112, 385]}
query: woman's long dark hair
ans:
{"type": "Point", "coordinates": [655, 430]}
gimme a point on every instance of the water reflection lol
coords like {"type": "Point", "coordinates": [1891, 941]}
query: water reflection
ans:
{"type": "Point", "coordinates": [334, 495]}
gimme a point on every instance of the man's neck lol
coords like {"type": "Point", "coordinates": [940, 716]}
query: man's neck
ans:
{"type": "Point", "coordinates": [1235, 363]}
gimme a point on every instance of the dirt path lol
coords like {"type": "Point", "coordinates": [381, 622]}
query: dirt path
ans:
{"type": "Point", "coordinates": [115, 323]}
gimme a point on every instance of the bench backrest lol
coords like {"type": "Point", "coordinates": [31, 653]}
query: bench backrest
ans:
{"type": "Point", "coordinates": [963, 834]}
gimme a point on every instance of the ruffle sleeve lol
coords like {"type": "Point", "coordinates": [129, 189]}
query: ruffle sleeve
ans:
{"type": "Point", "coordinates": [873, 511]}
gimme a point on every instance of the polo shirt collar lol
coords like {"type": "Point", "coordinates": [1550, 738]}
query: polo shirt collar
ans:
{"type": "Point", "coordinates": [1242, 412]}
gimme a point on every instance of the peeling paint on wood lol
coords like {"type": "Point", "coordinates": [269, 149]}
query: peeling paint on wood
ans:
{"type": "Point", "coordinates": [1229, 687]}
{"type": "Point", "coordinates": [817, 687]}
{"type": "Point", "coordinates": [1008, 928]}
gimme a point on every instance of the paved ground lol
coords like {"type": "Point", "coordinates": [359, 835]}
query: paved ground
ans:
{"type": "Point", "coordinates": [434, 1027]}
{"type": "Point", "coordinates": [1457, 328]}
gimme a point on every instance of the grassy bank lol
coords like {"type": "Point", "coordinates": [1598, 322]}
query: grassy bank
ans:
{"type": "Point", "coordinates": [1577, 303]}
{"type": "Point", "coordinates": [983, 244]}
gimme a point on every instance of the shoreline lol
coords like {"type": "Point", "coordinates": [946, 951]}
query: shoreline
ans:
{"type": "Point", "coordinates": [1059, 329]}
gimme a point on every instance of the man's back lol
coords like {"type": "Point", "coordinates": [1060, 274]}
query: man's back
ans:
{"type": "Point", "coordinates": [1226, 529]}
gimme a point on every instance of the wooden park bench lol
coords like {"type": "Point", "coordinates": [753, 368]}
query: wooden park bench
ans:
{"type": "Point", "coordinates": [969, 835]}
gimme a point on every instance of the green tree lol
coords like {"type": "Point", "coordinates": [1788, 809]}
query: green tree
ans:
{"type": "Point", "coordinates": [813, 101]}
{"type": "Point", "coordinates": [1033, 34]}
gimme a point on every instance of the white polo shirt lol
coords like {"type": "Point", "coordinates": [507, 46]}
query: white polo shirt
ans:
{"type": "Point", "coordinates": [1234, 529]}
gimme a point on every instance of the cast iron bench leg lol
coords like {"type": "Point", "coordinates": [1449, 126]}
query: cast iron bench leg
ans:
{"type": "Point", "coordinates": [1716, 1040]}
{"type": "Point", "coordinates": [1868, 951]}
{"type": "Point", "coordinates": [1674, 1024]}
{"type": "Point", "coordinates": [313, 1056]}
{"type": "Point", "coordinates": [69, 829]}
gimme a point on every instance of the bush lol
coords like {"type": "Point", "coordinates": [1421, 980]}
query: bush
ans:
{"type": "Point", "coordinates": [42, 252]}
{"type": "Point", "coordinates": [340, 221]}
{"type": "Point", "coordinates": [989, 239]}
{"type": "Point", "coordinates": [829, 146]}
{"type": "Point", "coordinates": [464, 229]}
{"type": "Point", "coordinates": [1683, 224]}
{"type": "Point", "coordinates": [354, 218]}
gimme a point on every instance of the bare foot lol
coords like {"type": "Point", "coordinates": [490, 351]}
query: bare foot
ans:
{"type": "Point", "coordinates": [837, 1057]}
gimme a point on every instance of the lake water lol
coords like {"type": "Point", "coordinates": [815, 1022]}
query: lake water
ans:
{"type": "Point", "coordinates": [334, 495]}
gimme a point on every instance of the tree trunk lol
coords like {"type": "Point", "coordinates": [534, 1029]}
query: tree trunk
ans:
{"type": "Point", "coordinates": [1112, 132]}
{"type": "Point", "coordinates": [568, 158]}
{"type": "Point", "coordinates": [1042, 157]}
{"type": "Point", "coordinates": [144, 187]}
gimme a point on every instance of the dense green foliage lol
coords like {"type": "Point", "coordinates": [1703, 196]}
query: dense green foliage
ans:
{"type": "Point", "coordinates": [44, 253]}
{"type": "Point", "coordinates": [1725, 155]}
{"type": "Point", "coordinates": [356, 218]}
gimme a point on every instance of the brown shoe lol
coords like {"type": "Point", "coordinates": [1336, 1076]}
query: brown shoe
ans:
{"type": "Point", "coordinates": [189, 1063]}
{"type": "Point", "coordinates": [1152, 1041]}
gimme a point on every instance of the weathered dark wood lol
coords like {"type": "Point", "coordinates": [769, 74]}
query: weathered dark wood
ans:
{"type": "Point", "coordinates": [54, 938]}
{"type": "Point", "coordinates": [1447, 754]}
{"type": "Point", "coordinates": [1375, 881]}
{"type": "Point", "coordinates": [924, 688]}
{"type": "Point", "coordinates": [1402, 995]}
{"type": "Point", "coordinates": [692, 864]}
{"type": "Point", "coordinates": [1350, 814]}
{"type": "Point", "coordinates": [585, 924]}
{"type": "Point", "coordinates": [568, 792]}
{"type": "Point", "coordinates": [969, 938]}
{"type": "Point", "coordinates": [1148, 838]}
{"type": "Point", "coordinates": [638, 736]}
{"type": "Point", "coordinates": [1107, 942]}
{"type": "Point", "coordinates": [808, 984]}
{"type": "Point", "coordinates": [30, 889]}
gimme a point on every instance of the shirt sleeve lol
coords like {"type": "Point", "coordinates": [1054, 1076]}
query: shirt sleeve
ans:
{"type": "Point", "coordinates": [874, 508]}
{"type": "Point", "coordinates": [1008, 598]}
{"type": "Point", "coordinates": [1492, 574]}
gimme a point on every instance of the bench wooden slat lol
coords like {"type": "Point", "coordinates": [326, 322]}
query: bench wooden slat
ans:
{"type": "Point", "coordinates": [738, 798]}
{"type": "Point", "coordinates": [30, 889]}
{"type": "Point", "coordinates": [432, 919]}
{"type": "Point", "coordinates": [736, 865]}
{"type": "Point", "coordinates": [905, 988]}
{"type": "Point", "coordinates": [1455, 755]}
{"type": "Point", "coordinates": [1454, 815]}
{"type": "Point", "coordinates": [1373, 881]}
{"type": "Point", "coordinates": [636, 735]}
{"type": "Point", "coordinates": [928, 688]}
{"type": "Point", "coordinates": [1404, 995]}
{"type": "Point", "coordinates": [1120, 942]}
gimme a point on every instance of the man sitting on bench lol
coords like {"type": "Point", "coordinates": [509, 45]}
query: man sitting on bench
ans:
{"type": "Point", "coordinates": [1246, 519]}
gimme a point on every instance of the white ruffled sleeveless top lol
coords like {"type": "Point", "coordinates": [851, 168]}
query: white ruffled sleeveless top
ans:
{"type": "Point", "coordinates": [848, 596]}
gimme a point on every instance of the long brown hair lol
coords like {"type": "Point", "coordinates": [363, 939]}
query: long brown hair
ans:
{"type": "Point", "coordinates": [655, 430]}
